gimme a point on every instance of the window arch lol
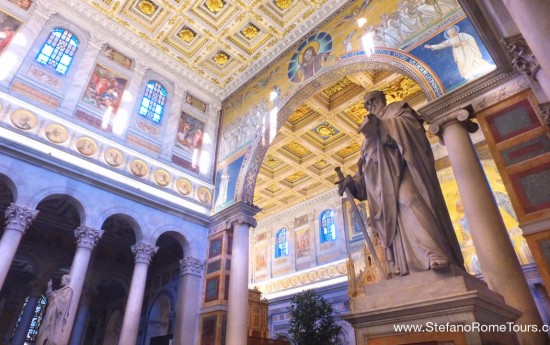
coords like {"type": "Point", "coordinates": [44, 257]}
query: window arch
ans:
{"type": "Point", "coordinates": [36, 319]}
{"type": "Point", "coordinates": [58, 50]}
{"type": "Point", "coordinates": [153, 101]}
{"type": "Point", "coordinates": [328, 230]}
{"type": "Point", "coordinates": [281, 243]}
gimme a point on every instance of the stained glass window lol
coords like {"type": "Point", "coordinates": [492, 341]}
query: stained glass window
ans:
{"type": "Point", "coordinates": [36, 319]}
{"type": "Point", "coordinates": [328, 230]}
{"type": "Point", "coordinates": [152, 103]}
{"type": "Point", "coordinates": [281, 243]}
{"type": "Point", "coordinates": [58, 51]}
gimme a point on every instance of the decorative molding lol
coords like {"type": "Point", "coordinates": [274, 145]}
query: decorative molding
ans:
{"type": "Point", "coordinates": [19, 218]}
{"type": "Point", "coordinates": [522, 57]}
{"type": "Point", "coordinates": [190, 265]}
{"type": "Point", "coordinates": [87, 237]}
{"type": "Point", "coordinates": [144, 252]}
{"type": "Point", "coordinates": [240, 212]}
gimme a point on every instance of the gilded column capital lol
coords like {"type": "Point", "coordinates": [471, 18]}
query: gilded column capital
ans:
{"type": "Point", "coordinates": [545, 111]}
{"type": "Point", "coordinates": [191, 265]}
{"type": "Point", "coordinates": [523, 59]}
{"type": "Point", "coordinates": [19, 218]}
{"type": "Point", "coordinates": [87, 237]}
{"type": "Point", "coordinates": [143, 252]}
{"type": "Point", "coordinates": [462, 116]}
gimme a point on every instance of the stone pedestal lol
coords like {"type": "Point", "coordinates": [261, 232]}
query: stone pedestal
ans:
{"type": "Point", "coordinates": [439, 307]}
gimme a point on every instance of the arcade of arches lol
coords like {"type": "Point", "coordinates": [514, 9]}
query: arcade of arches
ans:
{"type": "Point", "coordinates": [173, 191]}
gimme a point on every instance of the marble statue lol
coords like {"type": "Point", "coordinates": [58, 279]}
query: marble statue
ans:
{"type": "Point", "coordinates": [57, 311]}
{"type": "Point", "coordinates": [396, 173]}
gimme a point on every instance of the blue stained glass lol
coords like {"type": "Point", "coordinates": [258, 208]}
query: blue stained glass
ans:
{"type": "Point", "coordinates": [281, 243]}
{"type": "Point", "coordinates": [58, 50]}
{"type": "Point", "coordinates": [328, 229]}
{"type": "Point", "coordinates": [152, 103]}
{"type": "Point", "coordinates": [32, 332]}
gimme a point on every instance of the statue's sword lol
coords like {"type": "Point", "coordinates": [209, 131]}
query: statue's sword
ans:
{"type": "Point", "coordinates": [363, 226]}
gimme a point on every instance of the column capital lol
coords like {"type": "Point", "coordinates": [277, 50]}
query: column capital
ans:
{"type": "Point", "coordinates": [87, 237]}
{"type": "Point", "coordinates": [143, 252]}
{"type": "Point", "coordinates": [545, 110]}
{"type": "Point", "coordinates": [180, 89]}
{"type": "Point", "coordinates": [140, 66]}
{"type": "Point", "coordinates": [238, 213]}
{"type": "Point", "coordinates": [96, 40]}
{"type": "Point", "coordinates": [44, 9]}
{"type": "Point", "coordinates": [523, 59]}
{"type": "Point", "coordinates": [191, 265]}
{"type": "Point", "coordinates": [462, 116]}
{"type": "Point", "coordinates": [19, 218]}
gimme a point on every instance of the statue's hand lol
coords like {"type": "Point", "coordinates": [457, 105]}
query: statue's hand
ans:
{"type": "Point", "coordinates": [343, 184]}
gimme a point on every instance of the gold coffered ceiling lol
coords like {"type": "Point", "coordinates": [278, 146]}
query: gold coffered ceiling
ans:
{"type": "Point", "coordinates": [220, 42]}
{"type": "Point", "coordinates": [320, 135]}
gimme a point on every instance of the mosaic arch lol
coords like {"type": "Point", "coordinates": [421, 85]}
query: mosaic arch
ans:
{"type": "Point", "coordinates": [244, 190]}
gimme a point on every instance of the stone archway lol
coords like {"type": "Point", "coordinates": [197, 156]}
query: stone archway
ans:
{"type": "Point", "coordinates": [384, 59]}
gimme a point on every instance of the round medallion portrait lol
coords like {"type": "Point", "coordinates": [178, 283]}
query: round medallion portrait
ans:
{"type": "Point", "coordinates": [86, 146]}
{"type": "Point", "coordinates": [23, 119]}
{"type": "Point", "coordinates": [162, 178]}
{"type": "Point", "coordinates": [138, 168]}
{"type": "Point", "coordinates": [183, 186]}
{"type": "Point", "coordinates": [204, 196]}
{"type": "Point", "coordinates": [56, 133]}
{"type": "Point", "coordinates": [113, 157]}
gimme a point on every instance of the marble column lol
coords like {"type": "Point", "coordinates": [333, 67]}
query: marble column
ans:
{"type": "Point", "coordinates": [24, 324]}
{"type": "Point", "coordinates": [18, 220]}
{"type": "Point", "coordinates": [86, 240]}
{"type": "Point", "coordinates": [497, 258]}
{"type": "Point", "coordinates": [240, 217]}
{"type": "Point", "coordinates": [12, 58]}
{"type": "Point", "coordinates": [173, 123]}
{"type": "Point", "coordinates": [126, 108]}
{"type": "Point", "coordinates": [189, 295]}
{"type": "Point", "coordinates": [143, 253]}
{"type": "Point", "coordinates": [531, 18]}
{"type": "Point", "coordinates": [82, 74]}
{"type": "Point", "coordinates": [81, 322]}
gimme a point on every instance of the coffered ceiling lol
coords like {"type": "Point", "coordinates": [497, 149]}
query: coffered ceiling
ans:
{"type": "Point", "coordinates": [216, 44]}
{"type": "Point", "coordinates": [322, 135]}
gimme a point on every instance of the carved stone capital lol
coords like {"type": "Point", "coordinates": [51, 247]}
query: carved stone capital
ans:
{"type": "Point", "coordinates": [144, 252]}
{"type": "Point", "coordinates": [87, 237]}
{"type": "Point", "coordinates": [522, 57]}
{"type": "Point", "coordinates": [96, 41]}
{"type": "Point", "coordinates": [545, 111]}
{"type": "Point", "coordinates": [19, 218]}
{"type": "Point", "coordinates": [140, 67]}
{"type": "Point", "coordinates": [240, 212]}
{"type": "Point", "coordinates": [43, 11]}
{"type": "Point", "coordinates": [190, 265]}
{"type": "Point", "coordinates": [461, 116]}
{"type": "Point", "coordinates": [180, 89]}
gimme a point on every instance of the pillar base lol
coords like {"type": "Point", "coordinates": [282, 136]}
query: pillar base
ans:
{"type": "Point", "coordinates": [449, 305]}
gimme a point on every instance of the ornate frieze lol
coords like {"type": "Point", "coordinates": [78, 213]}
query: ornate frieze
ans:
{"type": "Point", "coordinates": [19, 218]}
{"type": "Point", "coordinates": [87, 237]}
{"type": "Point", "coordinates": [144, 252]}
{"type": "Point", "coordinates": [190, 265]}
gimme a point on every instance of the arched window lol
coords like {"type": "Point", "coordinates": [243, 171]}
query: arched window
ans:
{"type": "Point", "coordinates": [328, 230]}
{"type": "Point", "coordinates": [58, 51]}
{"type": "Point", "coordinates": [152, 103]}
{"type": "Point", "coordinates": [281, 243]}
{"type": "Point", "coordinates": [36, 319]}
